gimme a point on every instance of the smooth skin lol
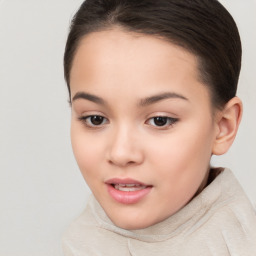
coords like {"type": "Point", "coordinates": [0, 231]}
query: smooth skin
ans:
{"type": "Point", "coordinates": [120, 83]}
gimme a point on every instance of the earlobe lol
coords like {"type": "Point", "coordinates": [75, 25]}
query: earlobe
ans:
{"type": "Point", "coordinates": [227, 123]}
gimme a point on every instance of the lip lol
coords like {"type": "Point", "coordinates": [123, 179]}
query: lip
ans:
{"type": "Point", "coordinates": [127, 197]}
{"type": "Point", "coordinates": [125, 181]}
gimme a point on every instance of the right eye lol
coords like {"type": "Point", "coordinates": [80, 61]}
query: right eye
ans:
{"type": "Point", "coordinates": [93, 120]}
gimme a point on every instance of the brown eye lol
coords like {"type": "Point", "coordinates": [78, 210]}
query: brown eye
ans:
{"type": "Point", "coordinates": [96, 120]}
{"type": "Point", "coordinates": [162, 121]}
{"type": "Point", "coordinates": [93, 120]}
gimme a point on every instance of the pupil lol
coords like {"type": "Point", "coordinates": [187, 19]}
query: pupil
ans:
{"type": "Point", "coordinates": [96, 120]}
{"type": "Point", "coordinates": [160, 121]}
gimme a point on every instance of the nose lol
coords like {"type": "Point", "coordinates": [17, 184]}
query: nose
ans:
{"type": "Point", "coordinates": [125, 148]}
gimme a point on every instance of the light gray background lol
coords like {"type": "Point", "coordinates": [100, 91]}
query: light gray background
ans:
{"type": "Point", "coordinates": [41, 189]}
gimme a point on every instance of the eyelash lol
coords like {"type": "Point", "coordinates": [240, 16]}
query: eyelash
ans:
{"type": "Point", "coordinates": [168, 121]}
{"type": "Point", "coordinates": [85, 119]}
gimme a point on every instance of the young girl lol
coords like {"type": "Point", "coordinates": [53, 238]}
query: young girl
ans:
{"type": "Point", "coordinates": [153, 95]}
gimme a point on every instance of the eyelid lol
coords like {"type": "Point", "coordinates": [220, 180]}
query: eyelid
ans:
{"type": "Point", "coordinates": [84, 118]}
{"type": "Point", "coordinates": [172, 121]}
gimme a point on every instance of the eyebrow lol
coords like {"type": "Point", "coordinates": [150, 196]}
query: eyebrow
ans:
{"type": "Point", "coordinates": [162, 96]}
{"type": "Point", "coordinates": [143, 102]}
{"type": "Point", "coordinates": [88, 96]}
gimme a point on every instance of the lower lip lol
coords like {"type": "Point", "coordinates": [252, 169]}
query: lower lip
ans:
{"type": "Point", "coordinates": [128, 197]}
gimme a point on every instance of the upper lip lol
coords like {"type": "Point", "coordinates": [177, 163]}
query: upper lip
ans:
{"type": "Point", "coordinates": [125, 181]}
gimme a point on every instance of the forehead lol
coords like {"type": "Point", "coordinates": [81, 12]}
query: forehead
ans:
{"type": "Point", "coordinates": [105, 48]}
{"type": "Point", "coordinates": [135, 63]}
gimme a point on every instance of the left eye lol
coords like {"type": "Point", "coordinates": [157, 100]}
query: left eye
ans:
{"type": "Point", "coordinates": [162, 121]}
{"type": "Point", "coordinates": [93, 120]}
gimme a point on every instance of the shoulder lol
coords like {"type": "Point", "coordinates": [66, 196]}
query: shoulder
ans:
{"type": "Point", "coordinates": [78, 235]}
{"type": "Point", "coordinates": [229, 224]}
{"type": "Point", "coordinates": [87, 236]}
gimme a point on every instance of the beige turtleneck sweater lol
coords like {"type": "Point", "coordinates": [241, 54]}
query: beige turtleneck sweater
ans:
{"type": "Point", "coordinates": [220, 221]}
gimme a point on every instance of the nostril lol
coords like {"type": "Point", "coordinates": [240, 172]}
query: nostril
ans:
{"type": "Point", "coordinates": [122, 163]}
{"type": "Point", "coordinates": [130, 163]}
{"type": "Point", "coordinates": [124, 156]}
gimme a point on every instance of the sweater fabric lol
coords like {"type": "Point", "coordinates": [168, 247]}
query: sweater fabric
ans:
{"type": "Point", "coordinates": [220, 221]}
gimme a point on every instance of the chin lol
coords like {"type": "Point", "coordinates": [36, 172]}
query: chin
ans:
{"type": "Point", "coordinates": [134, 225]}
{"type": "Point", "coordinates": [133, 222]}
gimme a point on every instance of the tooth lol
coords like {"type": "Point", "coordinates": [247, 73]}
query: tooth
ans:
{"type": "Point", "coordinates": [128, 188]}
{"type": "Point", "coordinates": [130, 185]}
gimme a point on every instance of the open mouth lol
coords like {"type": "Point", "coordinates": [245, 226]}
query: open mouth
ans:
{"type": "Point", "coordinates": [127, 191]}
{"type": "Point", "coordinates": [128, 187]}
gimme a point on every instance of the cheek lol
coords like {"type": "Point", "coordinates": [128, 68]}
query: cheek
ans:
{"type": "Point", "coordinates": [180, 150]}
{"type": "Point", "coordinates": [183, 157]}
{"type": "Point", "coordinates": [86, 150]}
{"type": "Point", "coordinates": [181, 163]}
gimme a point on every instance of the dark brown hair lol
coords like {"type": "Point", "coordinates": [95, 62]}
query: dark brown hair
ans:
{"type": "Point", "coordinates": [203, 27]}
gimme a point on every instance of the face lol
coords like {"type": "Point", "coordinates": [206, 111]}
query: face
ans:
{"type": "Point", "coordinates": [142, 128]}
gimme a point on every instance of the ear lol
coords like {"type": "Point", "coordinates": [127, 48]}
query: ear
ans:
{"type": "Point", "coordinates": [227, 121]}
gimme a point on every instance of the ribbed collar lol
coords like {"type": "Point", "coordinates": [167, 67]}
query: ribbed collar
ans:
{"type": "Point", "coordinates": [185, 220]}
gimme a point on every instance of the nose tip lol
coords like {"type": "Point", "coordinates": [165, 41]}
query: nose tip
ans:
{"type": "Point", "coordinates": [123, 156]}
{"type": "Point", "coordinates": [125, 151]}
{"type": "Point", "coordinates": [121, 162]}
